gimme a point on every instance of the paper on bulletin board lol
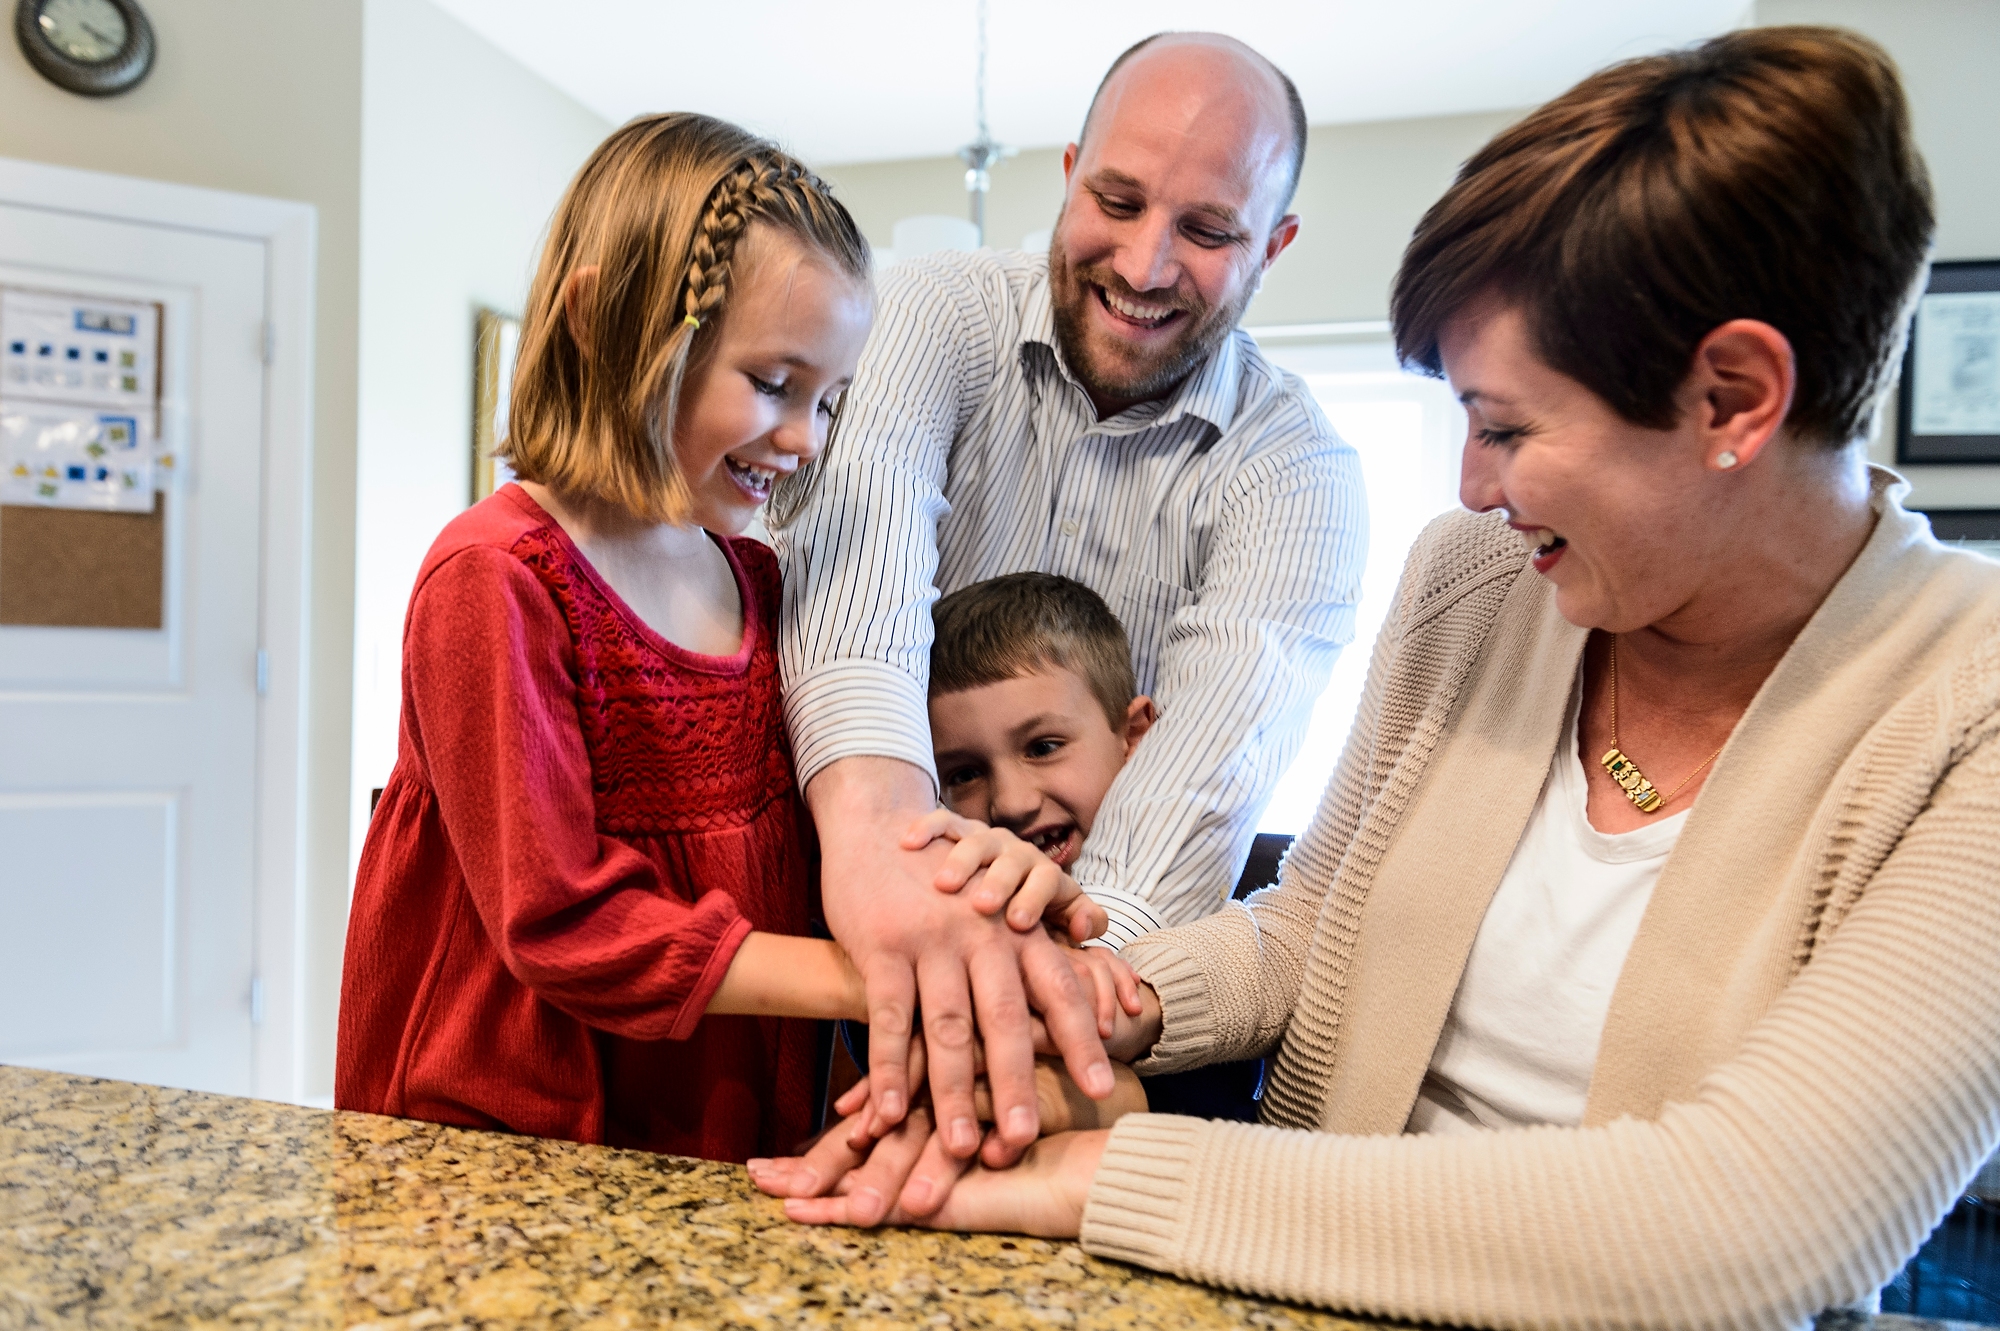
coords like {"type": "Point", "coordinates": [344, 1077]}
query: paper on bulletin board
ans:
{"type": "Point", "coordinates": [64, 348]}
{"type": "Point", "coordinates": [80, 401]}
{"type": "Point", "coordinates": [63, 456]}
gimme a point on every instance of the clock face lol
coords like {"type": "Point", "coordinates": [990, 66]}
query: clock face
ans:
{"type": "Point", "coordinates": [87, 30]}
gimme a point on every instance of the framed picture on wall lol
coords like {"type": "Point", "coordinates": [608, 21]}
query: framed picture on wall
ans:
{"type": "Point", "coordinates": [495, 337]}
{"type": "Point", "coordinates": [1948, 409]}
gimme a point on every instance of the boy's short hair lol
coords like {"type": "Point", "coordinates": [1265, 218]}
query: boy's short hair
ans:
{"type": "Point", "coordinates": [1009, 626]}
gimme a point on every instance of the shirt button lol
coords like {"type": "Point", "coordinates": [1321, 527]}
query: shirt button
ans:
{"type": "Point", "coordinates": [1069, 527]}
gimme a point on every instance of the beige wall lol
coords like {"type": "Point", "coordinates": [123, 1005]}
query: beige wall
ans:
{"type": "Point", "coordinates": [464, 154]}
{"type": "Point", "coordinates": [1362, 191]}
{"type": "Point", "coordinates": [259, 99]}
{"type": "Point", "coordinates": [1949, 52]}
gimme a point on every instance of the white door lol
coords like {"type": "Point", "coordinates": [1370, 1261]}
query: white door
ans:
{"type": "Point", "coordinates": [128, 757]}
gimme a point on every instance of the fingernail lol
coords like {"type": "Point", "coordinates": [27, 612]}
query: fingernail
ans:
{"type": "Point", "coordinates": [892, 1104]}
{"type": "Point", "coordinates": [917, 1194]}
{"type": "Point", "coordinates": [964, 1136]}
{"type": "Point", "coordinates": [1099, 1079]}
{"type": "Point", "coordinates": [865, 1202]}
{"type": "Point", "coordinates": [756, 1166]}
{"type": "Point", "coordinates": [1021, 1122]}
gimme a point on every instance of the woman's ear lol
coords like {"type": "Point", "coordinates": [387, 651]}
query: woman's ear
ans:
{"type": "Point", "coordinates": [1139, 717]}
{"type": "Point", "coordinates": [578, 296]}
{"type": "Point", "coordinates": [1742, 384]}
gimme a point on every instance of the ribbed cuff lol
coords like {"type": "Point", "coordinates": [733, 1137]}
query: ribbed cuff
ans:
{"type": "Point", "coordinates": [858, 709]}
{"type": "Point", "coordinates": [1131, 916]}
{"type": "Point", "coordinates": [1188, 1031]}
{"type": "Point", "coordinates": [1137, 1207]}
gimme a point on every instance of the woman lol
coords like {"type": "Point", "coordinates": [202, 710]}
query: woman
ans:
{"type": "Point", "coordinates": [1637, 966]}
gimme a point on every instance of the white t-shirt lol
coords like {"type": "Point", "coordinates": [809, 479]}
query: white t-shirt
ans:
{"type": "Point", "coordinates": [1521, 1039]}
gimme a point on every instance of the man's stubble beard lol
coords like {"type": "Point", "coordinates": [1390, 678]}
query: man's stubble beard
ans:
{"type": "Point", "coordinates": [1157, 375]}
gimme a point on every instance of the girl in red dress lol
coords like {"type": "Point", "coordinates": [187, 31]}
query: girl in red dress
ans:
{"type": "Point", "coordinates": [579, 908]}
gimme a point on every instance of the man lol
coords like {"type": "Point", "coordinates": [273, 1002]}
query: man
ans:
{"type": "Point", "coordinates": [1094, 414]}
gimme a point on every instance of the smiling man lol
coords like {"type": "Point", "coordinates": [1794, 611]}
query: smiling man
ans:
{"type": "Point", "coordinates": [1094, 413]}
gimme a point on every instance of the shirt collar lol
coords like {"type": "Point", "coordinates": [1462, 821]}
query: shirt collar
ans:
{"type": "Point", "coordinates": [1209, 394]}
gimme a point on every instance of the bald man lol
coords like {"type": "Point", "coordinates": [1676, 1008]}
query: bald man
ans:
{"type": "Point", "coordinates": [1093, 412]}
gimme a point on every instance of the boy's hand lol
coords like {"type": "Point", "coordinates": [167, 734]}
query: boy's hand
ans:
{"type": "Point", "coordinates": [1114, 996]}
{"type": "Point", "coordinates": [1017, 876]}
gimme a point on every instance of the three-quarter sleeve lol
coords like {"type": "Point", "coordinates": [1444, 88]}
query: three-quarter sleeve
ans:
{"type": "Point", "coordinates": [581, 918]}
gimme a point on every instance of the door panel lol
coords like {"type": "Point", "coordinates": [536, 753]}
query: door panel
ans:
{"type": "Point", "coordinates": [128, 756]}
{"type": "Point", "coordinates": [113, 856]}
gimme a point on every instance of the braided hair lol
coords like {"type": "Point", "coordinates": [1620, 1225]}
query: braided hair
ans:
{"type": "Point", "coordinates": [660, 211]}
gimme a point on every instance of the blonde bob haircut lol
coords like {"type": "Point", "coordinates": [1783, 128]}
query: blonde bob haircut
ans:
{"type": "Point", "coordinates": [659, 209]}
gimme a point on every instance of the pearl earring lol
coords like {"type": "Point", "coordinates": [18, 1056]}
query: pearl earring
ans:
{"type": "Point", "coordinates": [1725, 460]}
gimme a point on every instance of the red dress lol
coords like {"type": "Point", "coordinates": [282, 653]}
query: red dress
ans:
{"type": "Point", "coordinates": [583, 823]}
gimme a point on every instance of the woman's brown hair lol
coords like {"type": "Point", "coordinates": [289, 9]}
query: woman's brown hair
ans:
{"type": "Point", "coordinates": [1766, 174]}
{"type": "Point", "coordinates": [659, 208]}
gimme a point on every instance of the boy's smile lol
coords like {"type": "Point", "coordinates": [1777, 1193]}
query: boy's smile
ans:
{"type": "Point", "coordinates": [1034, 754]}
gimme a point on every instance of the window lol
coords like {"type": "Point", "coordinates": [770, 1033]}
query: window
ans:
{"type": "Point", "coordinates": [1408, 431]}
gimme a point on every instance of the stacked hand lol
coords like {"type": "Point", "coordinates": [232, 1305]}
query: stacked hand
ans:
{"type": "Point", "coordinates": [914, 896]}
{"type": "Point", "coordinates": [982, 926]}
{"type": "Point", "coordinates": [862, 1172]}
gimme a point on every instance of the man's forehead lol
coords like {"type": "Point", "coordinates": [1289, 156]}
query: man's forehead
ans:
{"type": "Point", "coordinates": [1210, 113]}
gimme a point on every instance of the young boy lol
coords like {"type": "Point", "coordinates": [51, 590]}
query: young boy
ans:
{"type": "Point", "coordinates": [1033, 706]}
{"type": "Point", "coordinates": [1033, 712]}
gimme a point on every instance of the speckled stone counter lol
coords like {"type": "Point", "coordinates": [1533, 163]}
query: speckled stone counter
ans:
{"type": "Point", "coordinates": [125, 1205]}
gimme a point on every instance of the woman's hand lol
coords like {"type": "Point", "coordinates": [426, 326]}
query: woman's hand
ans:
{"type": "Point", "coordinates": [1043, 1195]}
{"type": "Point", "coordinates": [907, 1171]}
{"type": "Point", "coordinates": [1017, 876]}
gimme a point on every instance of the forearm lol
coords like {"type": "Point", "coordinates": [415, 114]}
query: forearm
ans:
{"type": "Point", "coordinates": [778, 975]}
{"type": "Point", "coordinates": [860, 807]}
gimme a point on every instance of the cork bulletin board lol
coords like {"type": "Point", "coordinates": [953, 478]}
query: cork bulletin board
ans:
{"type": "Point", "coordinates": [70, 568]}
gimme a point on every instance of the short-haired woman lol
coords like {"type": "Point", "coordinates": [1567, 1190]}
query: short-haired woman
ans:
{"type": "Point", "coordinates": [1638, 967]}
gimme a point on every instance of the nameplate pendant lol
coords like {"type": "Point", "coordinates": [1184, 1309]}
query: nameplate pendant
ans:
{"type": "Point", "coordinates": [1636, 787]}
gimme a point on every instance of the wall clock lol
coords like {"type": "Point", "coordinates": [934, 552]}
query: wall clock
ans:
{"type": "Point", "coordinates": [92, 47]}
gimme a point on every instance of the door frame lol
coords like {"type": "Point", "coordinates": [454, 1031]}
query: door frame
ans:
{"type": "Point", "coordinates": [288, 231]}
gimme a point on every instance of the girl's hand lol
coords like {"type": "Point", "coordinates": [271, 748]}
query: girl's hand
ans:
{"type": "Point", "coordinates": [1017, 876]}
{"type": "Point", "coordinates": [1043, 1195]}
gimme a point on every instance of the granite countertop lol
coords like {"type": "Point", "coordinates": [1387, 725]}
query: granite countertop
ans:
{"type": "Point", "coordinates": [123, 1205]}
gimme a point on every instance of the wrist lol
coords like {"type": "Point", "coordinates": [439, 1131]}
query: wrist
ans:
{"type": "Point", "coordinates": [853, 795]}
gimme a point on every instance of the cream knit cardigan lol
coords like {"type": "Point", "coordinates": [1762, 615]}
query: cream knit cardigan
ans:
{"type": "Point", "coordinates": [1801, 1064]}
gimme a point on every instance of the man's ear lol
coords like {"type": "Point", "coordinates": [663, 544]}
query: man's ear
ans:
{"type": "Point", "coordinates": [1281, 237]}
{"type": "Point", "coordinates": [579, 294]}
{"type": "Point", "coordinates": [1139, 717]}
{"type": "Point", "coordinates": [1069, 164]}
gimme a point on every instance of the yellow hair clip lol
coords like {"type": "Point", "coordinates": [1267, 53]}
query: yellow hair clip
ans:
{"type": "Point", "coordinates": [692, 322]}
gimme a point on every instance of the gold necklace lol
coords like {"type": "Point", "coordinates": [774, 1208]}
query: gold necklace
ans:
{"type": "Point", "coordinates": [1625, 772]}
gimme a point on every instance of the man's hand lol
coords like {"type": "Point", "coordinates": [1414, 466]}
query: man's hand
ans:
{"type": "Point", "coordinates": [975, 977]}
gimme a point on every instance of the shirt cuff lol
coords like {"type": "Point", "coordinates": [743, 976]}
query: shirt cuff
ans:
{"type": "Point", "coordinates": [858, 709]}
{"type": "Point", "coordinates": [695, 1007]}
{"type": "Point", "coordinates": [1137, 1207]}
{"type": "Point", "coordinates": [1188, 1028]}
{"type": "Point", "coordinates": [1130, 915]}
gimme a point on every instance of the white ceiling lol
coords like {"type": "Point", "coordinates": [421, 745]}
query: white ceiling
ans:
{"type": "Point", "coordinates": [866, 80]}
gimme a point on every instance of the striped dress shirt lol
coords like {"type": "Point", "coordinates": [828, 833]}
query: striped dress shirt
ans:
{"type": "Point", "coordinates": [1224, 525]}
